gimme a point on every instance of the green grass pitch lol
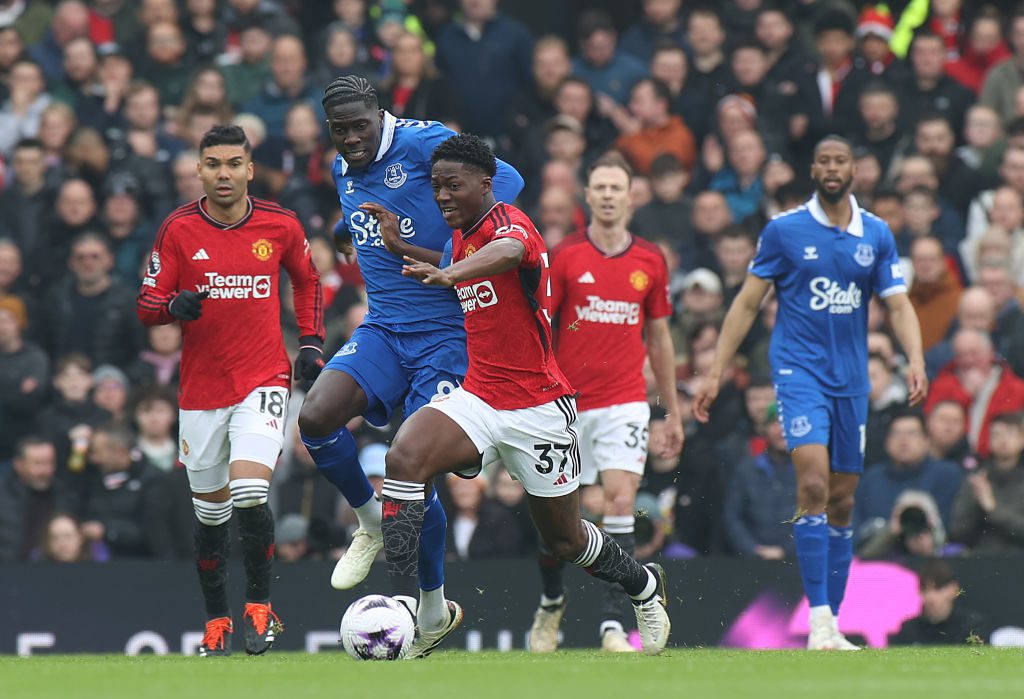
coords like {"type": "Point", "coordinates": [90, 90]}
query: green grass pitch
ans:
{"type": "Point", "coordinates": [964, 672]}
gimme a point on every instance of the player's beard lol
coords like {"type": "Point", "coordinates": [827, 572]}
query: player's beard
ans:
{"type": "Point", "coordinates": [836, 196]}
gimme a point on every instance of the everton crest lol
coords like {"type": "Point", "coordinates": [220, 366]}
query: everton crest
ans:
{"type": "Point", "coordinates": [394, 176]}
{"type": "Point", "coordinates": [865, 255]}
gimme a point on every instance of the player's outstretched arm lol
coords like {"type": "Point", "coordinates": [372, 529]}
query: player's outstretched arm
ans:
{"type": "Point", "coordinates": [496, 257]}
{"type": "Point", "coordinates": [905, 325]}
{"type": "Point", "coordinates": [741, 316]}
{"type": "Point", "coordinates": [393, 242]}
{"type": "Point", "coordinates": [663, 363]}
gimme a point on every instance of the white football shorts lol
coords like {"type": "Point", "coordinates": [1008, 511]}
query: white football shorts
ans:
{"type": "Point", "coordinates": [613, 438]}
{"type": "Point", "coordinates": [538, 445]}
{"type": "Point", "coordinates": [210, 440]}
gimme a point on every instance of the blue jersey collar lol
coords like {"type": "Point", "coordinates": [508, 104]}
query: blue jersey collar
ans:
{"type": "Point", "coordinates": [856, 227]}
{"type": "Point", "coordinates": [387, 136]}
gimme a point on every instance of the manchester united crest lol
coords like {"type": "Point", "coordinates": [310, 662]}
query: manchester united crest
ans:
{"type": "Point", "coordinates": [470, 249]}
{"type": "Point", "coordinates": [184, 448]}
{"type": "Point", "coordinates": [262, 249]}
{"type": "Point", "coordinates": [639, 280]}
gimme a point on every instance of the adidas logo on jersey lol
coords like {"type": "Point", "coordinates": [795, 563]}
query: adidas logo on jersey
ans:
{"type": "Point", "coordinates": [562, 480]}
{"type": "Point", "coordinates": [586, 278]}
{"type": "Point", "coordinates": [201, 255]}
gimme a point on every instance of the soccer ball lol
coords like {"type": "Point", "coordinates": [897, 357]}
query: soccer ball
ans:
{"type": "Point", "coordinates": [376, 627]}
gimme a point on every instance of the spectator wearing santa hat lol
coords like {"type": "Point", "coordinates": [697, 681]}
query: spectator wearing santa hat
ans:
{"type": "Point", "coordinates": [874, 30]}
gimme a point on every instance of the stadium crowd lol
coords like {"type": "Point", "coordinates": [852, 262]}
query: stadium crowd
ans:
{"type": "Point", "coordinates": [714, 104]}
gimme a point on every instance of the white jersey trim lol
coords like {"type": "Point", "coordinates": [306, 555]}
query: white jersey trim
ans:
{"type": "Point", "coordinates": [856, 227]}
{"type": "Point", "coordinates": [886, 293]}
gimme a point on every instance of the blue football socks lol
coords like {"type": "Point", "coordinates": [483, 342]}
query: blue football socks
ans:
{"type": "Point", "coordinates": [840, 553]}
{"type": "Point", "coordinates": [812, 549]}
{"type": "Point", "coordinates": [337, 457]}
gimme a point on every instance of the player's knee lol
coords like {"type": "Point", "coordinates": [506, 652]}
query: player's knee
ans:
{"type": "Point", "coordinates": [565, 545]}
{"type": "Point", "coordinates": [249, 492]}
{"type": "Point", "coordinates": [840, 509]}
{"type": "Point", "coordinates": [315, 419]}
{"type": "Point", "coordinates": [812, 492]}
{"type": "Point", "coordinates": [620, 504]}
{"type": "Point", "coordinates": [402, 463]}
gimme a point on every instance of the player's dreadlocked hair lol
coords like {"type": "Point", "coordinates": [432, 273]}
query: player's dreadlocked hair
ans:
{"type": "Point", "coordinates": [350, 88]}
{"type": "Point", "coordinates": [469, 149]}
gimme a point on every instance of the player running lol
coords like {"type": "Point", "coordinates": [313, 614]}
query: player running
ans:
{"type": "Point", "coordinates": [216, 268]}
{"type": "Point", "coordinates": [412, 345]}
{"type": "Point", "coordinates": [515, 404]}
{"type": "Point", "coordinates": [825, 259]}
{"type": "Point", "coordinates": [609, 292]}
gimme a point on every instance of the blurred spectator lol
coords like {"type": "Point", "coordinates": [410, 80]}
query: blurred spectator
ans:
{"type": "Point", "coordinates": [1011, 173]}
{"type": "Point", "coordinates": [666, 215]}
{"type": "Point", "coordinates": [81, 88]}
{"type": "Point", "coordinates": [886, 400]}
{"type": "Point", "coordinates": [740, 179]}
{"type": "Point", "coordinates": [935, 139]}
{"type": "Point", "coordinates": [935, 292]}
{"type": "Point", "coordinates": [536, 104]}
{"type": "Point", "coordinates": [269, 15]}
{"type": "Point", "coordinates": [155, 414]}
{"type": "Point", "coordinates": [873, 33]}
{"type": "Point", "coordinates": [651, 129]}
{"type": "Point", "coordinates": [882, 135]}
{"type": "Point", "coordinates": [26, 201]}
{"type": "Point", "coordinates": [662, 21]}
{"type": "Point", "coordinates": [929, 88]}
{"type": "Point", "coordinates": [244, 78]}
{"type": "Point", "coordinates": [487, 58]}
{"type": "Point", "coordinates": [976, 311]}
{"type": "Point", "coordinates": [110, 392]}
{"type": "Point", "coordinates": [947, 431]}
{"type": "Point", "coordinates": [943, 620]}
{"type": "Point", "coordinates": [908, 466]}
{"type": "Point", "coordinates": [611, 73]}
{"type": "Point", "coordinates": [702, 301]}
{"type": "Point", "coordinates": [415, 90]}
{"type": "Point", "coordinates": [30, 19]}
{"type": "Point", "coordinates": [123, 495]}
{"type": "Point", "coordinates": [913, 529]}
{"type": "Point", "coordinates": [63, 542]}
{"type": "Point", "coordinates": [670, 65]}
{"type": "Point", "coordinates": [24, 377]}
{"type": "Point", "coordinates": [983, 50]}
{"type": "Point", "coordinates": [979, 381]}
{"type": "Point", "coordinates": [999, 89]}
{"type": "Point", "coordinates": [90, 312]}
{"type": "Point", "coordinates": [988, 516]}
{"type": "Point", "coordinates": [167, 64]}
{"type": "Point", "coordinates": [341, 56]}
{"type": "Point", "coordinates": [1006, 214]}
{"type": "Point", "coordinates": [123, 217]}
{"type": "Point", "coordinates": [205, 35]}
{"type": "Point", "coordinates": [287, 84]}
{"type": "Point", "coordinates": [70, 416]}
{"type": "Point", "coordinates": [206, 92]}
{"type": "Point", "coordinates": [290, 544]}
{"type": "Point", "coordinates": [734, 250]}
{"type": "Point", "coordinates": [709, 71]}
{"type": "Point", "coordinates": [759, 502]}
{"type": "Point", "coordinates": [994, 276]}
{"type": "Point", "coordinates": [29, 495]}
{"type": "Point", "coordinates": [983, 132]}
{"type": "Point", "coordinates": [160, 362]}
{"type": "Point", "coordinates": [70, 21]}
{"type": "Point", "coordinates": [21, 114]}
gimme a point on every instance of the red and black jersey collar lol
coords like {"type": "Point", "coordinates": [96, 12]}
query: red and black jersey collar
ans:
{"type": "Point", "coordinates": [497, 212]}
{"type": "Point", "coordinates": [602, 253]}
{"type": "Point", "coordinates": [220, 224]}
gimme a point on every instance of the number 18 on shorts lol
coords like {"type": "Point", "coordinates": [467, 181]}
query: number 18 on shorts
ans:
{"type": "Point", "coordinates": [252, 430]}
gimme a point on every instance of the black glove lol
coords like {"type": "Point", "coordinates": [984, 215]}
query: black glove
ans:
{"type": "Point", "coordinates": [186, 304]}
{"type": "Point", "coordinates": [311, 358]}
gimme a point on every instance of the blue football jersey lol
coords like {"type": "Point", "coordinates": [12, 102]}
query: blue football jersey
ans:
{"type": "Point", "coordinates": [824, 278]}
{"type": "Point", "coordinates": [399, 180]}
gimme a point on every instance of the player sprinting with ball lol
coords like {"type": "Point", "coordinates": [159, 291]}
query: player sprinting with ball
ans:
{"type": "Point", "coordinates": [216, 267]}
{"type": "Point", "coordinates": [825, 259]}
{"type": "Point", "coordinates": [515, 404]}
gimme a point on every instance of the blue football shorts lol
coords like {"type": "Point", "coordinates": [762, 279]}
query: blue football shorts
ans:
{"type": "Point", "coordinates": [395, 367]}
{"type": "Point", "coordinates": [810, 416]}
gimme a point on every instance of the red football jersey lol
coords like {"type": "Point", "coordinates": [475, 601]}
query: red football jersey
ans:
{"type": "Point", "coordinates": [508, 335]}
{"type": "Point", "coordinates": [236, 346]}
{"type": "Point", "coordinates": [600, 303]}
